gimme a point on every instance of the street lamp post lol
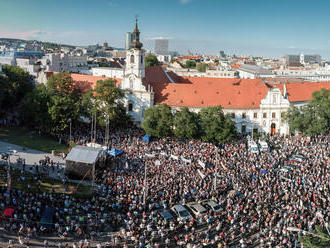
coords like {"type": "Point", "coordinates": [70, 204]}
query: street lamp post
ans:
{"type": "Point", "coordinates": [216, 172]}
{"type": "Point", "coordinates": [70, 128]}
{"type": "Point", "coordinates": [145, 185]}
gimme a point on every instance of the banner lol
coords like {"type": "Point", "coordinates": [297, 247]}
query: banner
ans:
{"type": "Point", "coordinates": [174, 157]}
{"type": "Point", "coordinates": [188, 161]}
{"type": "Point", "coordinates": [201, 164]}
{"type": "Point", "coordinates": [201, 174]}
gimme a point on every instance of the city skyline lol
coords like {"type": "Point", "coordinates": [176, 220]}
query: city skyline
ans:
{"type": "Point", "coordinates": [269, 29]}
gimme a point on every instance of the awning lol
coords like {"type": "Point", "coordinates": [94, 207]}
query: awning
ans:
{"type": "Point", "coordinates": [146, 138]}
{"type": "Point", "coordinates": [114, 152]}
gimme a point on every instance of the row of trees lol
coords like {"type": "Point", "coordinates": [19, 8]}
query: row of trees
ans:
{"type": "Point", "coordinates": [210, 124]}
{"type": "Point", "coordinates": [53, 106]}
{"type": "Point", "coordinates": [313, 118]}
{"type": "Point", "coordinates": [15, 83]}
{"type": "Point", "coordinates": [191, 64]}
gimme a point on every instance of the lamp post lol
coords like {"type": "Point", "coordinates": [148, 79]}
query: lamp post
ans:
{"type": "Point", "coordinates": [70, 128]}
{"type": "Point", "coordinates": [216, 171]}
{"type": "Point", "coordinates": [145, 185]}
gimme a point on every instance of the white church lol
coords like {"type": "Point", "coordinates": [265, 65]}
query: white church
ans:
{"type": "Point", "coordinates": [254, 104]}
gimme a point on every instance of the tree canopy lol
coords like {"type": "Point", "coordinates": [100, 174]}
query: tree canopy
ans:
{"type": "Point", "coordinates": [190, 64]}
{"type": "Point", "coordinates": [319, 239]}
{"type": "Point", "coordinates": [201, 67]}
{"type": "Point", "coordinates": [186, 124]}
{"type": "Point", "coordinates": [158, 121]}
{"type": "Point", "coordinates": [151, 60]}
{"type": "Point", "coordinates": [108, 102]}
{"type": "Point", "coordinates": [14, 85]}
{"type": "Point", "coordinates": [216, 126]}
{"type": "Point", "coordinates": [210, 124]}
{"type": "Point", "coordinates": [53, 107]}
{"type": "Point", "coordinates": [311, 119]}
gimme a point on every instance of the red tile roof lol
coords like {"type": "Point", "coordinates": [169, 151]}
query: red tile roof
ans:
{"type": "Point", "coordinates": [302, 91]}
{"type": "Point", "coordinates": [203, 91]}
{"type": "Point", "coordinates": [236, 66]}
{"type": "Point", "coordinates": [85, 82]}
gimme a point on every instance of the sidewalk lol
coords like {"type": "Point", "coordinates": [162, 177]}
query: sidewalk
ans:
{"type": "Point", "coordinates": [33, 157]}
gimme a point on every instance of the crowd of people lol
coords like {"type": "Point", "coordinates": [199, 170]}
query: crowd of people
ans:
{"type": "Point", "coordinates": [261, 204]}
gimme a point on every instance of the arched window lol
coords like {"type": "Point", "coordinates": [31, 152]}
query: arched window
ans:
{"type": "Point", "coordinates": [131, 83]}
{"type": "Point", "coordinates": [132, 59]}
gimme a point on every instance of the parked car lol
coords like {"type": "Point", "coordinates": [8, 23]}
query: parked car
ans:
{"type": "Point", "coordinates": [166, 215]}
{"type": "Point", "coordinates": [196, 208]}
{"type": "Point", "coordinates": [181, 212]}
{"type": "Point", "coordinates": [212, 205]}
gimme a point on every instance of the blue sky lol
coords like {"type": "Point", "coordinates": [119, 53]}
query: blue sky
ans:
{"type": "Point", "coordinates": [257, 27]}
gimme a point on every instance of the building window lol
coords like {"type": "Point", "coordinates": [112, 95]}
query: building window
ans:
{"type": "Point", "coordinates": [130, 107]}
{"type": "Point", "coordinates": [142, 59]}
{"type": "Point", "coordinates": [233, 115]}
{"type": "Point", "coordinates": [273, 115]}
{"type": "Point", "coordinates": [132, 59]}
{"type": "Point", "coordinates": [243, 129]}
{"type": "Point", "coordinates": [255, 115]}
{"type": "Point", "coordinates": [244, 115]}
{"type": "Point", "coordinates": [264, 115]}
{"type": "Point", "coordinates": [131, 83]}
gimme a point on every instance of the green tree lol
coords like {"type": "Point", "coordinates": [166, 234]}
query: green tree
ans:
{"type": "Point", "coordinates": [190, 64]}
{"type": "Point", "coordinates": [158, 121]}
{"type": "Point", "coordinates": [216, 126]}
{"type": "Point", "coordinates": [14, 86]}
{"type": "Point", "coordinates": [108, 102]}
{"type": "Point", "coordinates": [313, 118]}
{"type": "Point", "coordinates": [62, 108]}
{"type": "Point", "coordinates": [201, 67]}
{"type": "Point", "coordinates": [151, 60]}
{"type": "Point", "coordinates": [319, 239]}
{"type": "Point", "coordinates": [62, 83]}
{"type": "Point", "coordinates": [186, 124]}
{"type": "Point", "coordinates": [34, 111]}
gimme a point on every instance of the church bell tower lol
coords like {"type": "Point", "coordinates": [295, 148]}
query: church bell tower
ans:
{"type": "Point", "coordinates": [135, 57]}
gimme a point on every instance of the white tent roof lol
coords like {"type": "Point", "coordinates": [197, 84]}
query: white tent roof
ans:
{"type": "Point", "coordinates": [84, 154]}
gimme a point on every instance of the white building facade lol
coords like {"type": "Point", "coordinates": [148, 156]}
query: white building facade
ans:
{"type": "Point", "coordinates": [138, 97]}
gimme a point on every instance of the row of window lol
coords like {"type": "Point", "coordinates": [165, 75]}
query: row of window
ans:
{"type": "Point", "coordinates": [255, 115]}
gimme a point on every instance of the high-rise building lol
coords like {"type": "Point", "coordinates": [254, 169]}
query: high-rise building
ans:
{"type": "Point", "coordinates": [161, 46]}
{"type": "Point", "coordinates": [129, 38]}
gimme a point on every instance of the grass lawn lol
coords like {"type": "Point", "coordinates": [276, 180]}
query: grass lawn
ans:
{"type": "Point", "coordinates": [31, 140]}
{"type": "Point", "coordinates": [47, 184]}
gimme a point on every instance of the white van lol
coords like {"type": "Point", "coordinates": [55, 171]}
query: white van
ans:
{"type": "Point", "coordinates": [253, 147]}
{"type": "Point", "coordinates": [263, 146]}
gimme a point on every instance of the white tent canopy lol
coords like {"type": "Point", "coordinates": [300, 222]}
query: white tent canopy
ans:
{"type": "Point", "coordinates": [84, 154]}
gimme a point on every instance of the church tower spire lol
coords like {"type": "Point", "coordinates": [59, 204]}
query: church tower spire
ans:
{"type": "Point", "coordinates": [136, 37]}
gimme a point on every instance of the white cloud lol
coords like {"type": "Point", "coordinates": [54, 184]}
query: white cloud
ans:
{"type": "Point", "coordinates": [31, 34]}
{"type": "Point", "coordinates": [185, 1]}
